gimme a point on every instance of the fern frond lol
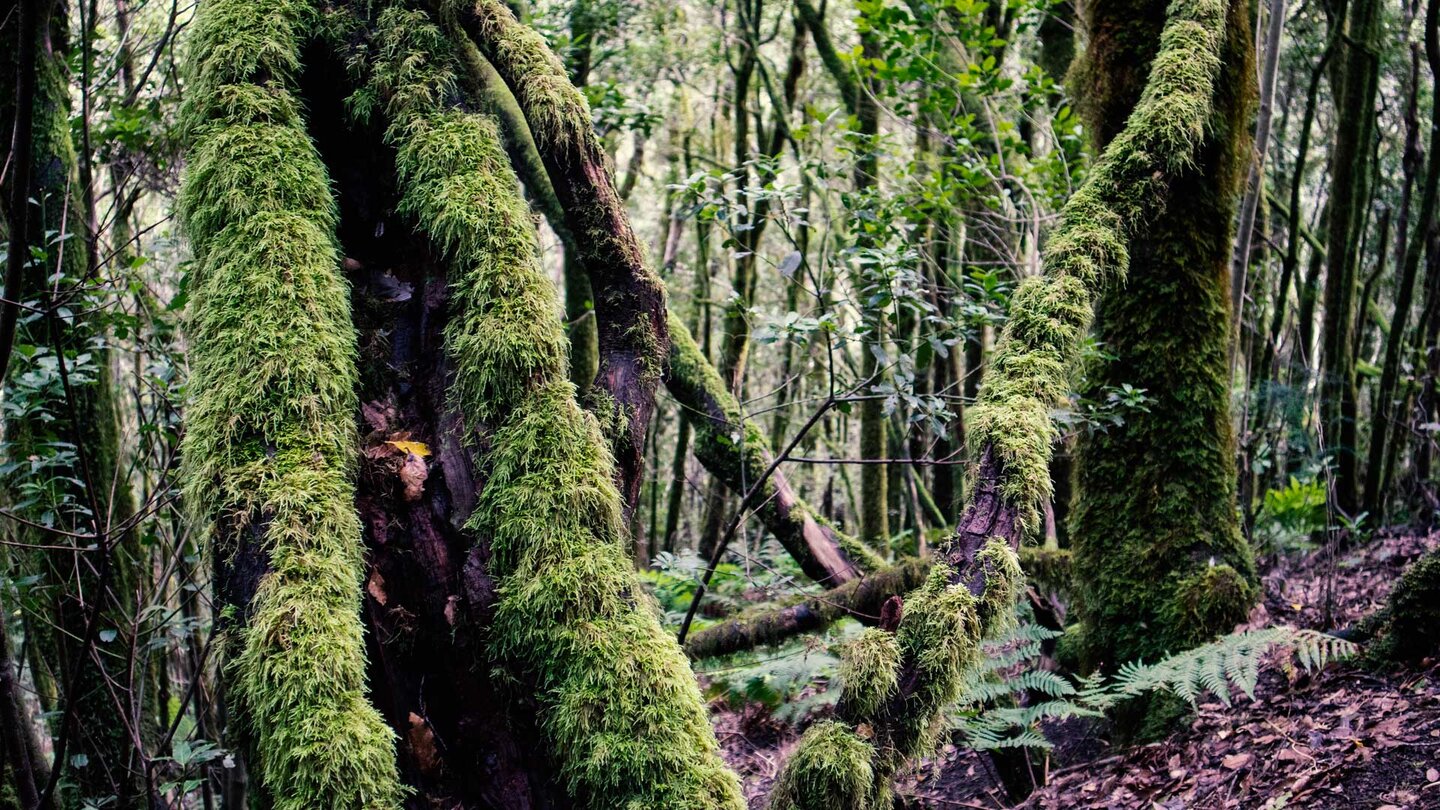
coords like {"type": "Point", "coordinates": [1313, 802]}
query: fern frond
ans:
{"type": "Point", "coordinates": [1229, 663]}
{"type": "Point", "coordinates": [996, 716]}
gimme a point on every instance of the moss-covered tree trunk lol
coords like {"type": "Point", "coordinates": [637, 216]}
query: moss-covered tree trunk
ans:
{"type": "Point", "coordinates": [1159, 557]}
{"type": "Point", "coordinates": [511, 648]}
{"type": "Point", "coordinates": [271, 446]}
{"type": "Point", "coordinates": [901, 676]}
{"type": "Point", "coordinates": [823, 552]}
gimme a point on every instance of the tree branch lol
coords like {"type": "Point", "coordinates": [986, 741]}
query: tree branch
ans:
{"type": "Point", "coordinates": [629, 297]}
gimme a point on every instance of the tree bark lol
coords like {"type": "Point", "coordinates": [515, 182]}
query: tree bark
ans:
{"type": "Point", "coordinates": [630, 312]}
{"type": "Point", "coordinates": [428, 595]}
{"type": "Point", "coordinates": [1350, 165]}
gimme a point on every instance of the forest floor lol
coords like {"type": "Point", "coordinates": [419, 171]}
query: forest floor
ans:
{"type": "Point", "coordinates": [1341, 737]}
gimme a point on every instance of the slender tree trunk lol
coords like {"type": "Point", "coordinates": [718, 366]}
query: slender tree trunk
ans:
{"type": "Point", "coordinates": [579, 302]}
{"type": "Point", "coordinates": [1426, 410]}
{"type": "Point", "coordinates": [1255, 184]}
{"type": "Point", "coordinates": [1386, 411]}
{"type": "Point", "coordinates": [735, 349]}
{"type": "Point", "coordinates": [92, 583]}
{"type": "Point", "coordinates": [858, 93]}
{"type": "Point", "coordinates": [1357, 76]}
{"type": "Point", "coordinates": [1410, 623]}
{"type": "Point", "coordinates": [794, 70]}
{"type": "Point", "coordinates": [874, 478]}
{"type": "Point", "coordinates": [15, 729]}
{"type": "Point", "coordinates": [678, 480]}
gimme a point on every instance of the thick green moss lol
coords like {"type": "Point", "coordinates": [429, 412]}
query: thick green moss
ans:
{"type": "Point", "coordinates": [937, 644]}
{"type": "Point", "coordinates": [555, 108]}
{"type": "Point", "coordinates": [1409, 627]}
{"type": "Point", "coordinates": [1028, 375]}
{"type": "Point", "coordinates": [869, 671]}
{"type": "Point", "coordinates": [1003, 581]}
{"type": "Point", "coordinates": [939, 641]}
{"type": "Point", "coordinates": [619, 708]}
{"type": "Point", "coordinates": [1159, 559]}
{"type": "Point", "coordinates": [830, 770]}
{"type": "Point", "coordinates": [1049, 570]}
{"type": "Point", "coordinates": [1210, 601]}
{"type": "Point", "coordinates": [270, 442]}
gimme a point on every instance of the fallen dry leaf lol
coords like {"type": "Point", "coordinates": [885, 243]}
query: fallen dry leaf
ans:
{"type": "Point", "coordinates": [376, 588]}
{"type": "Point", "coordinates": [413, 474]}
{"type": "Point", "coordinates": [1236, 761]}
{"type": "Point", "coordinates": [422, 744]}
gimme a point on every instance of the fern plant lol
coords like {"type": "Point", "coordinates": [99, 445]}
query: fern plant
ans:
{"type": "Point", "coordinates": [995, 717]}
{"type": "Point", "coordinates": [792, 682]}
{"type": "Point", "coordinates": [674, 578]}
{"type": "Point", "coordinates": [1291, 515]}
{"type": "Point", "coordinates": [1229, 663]}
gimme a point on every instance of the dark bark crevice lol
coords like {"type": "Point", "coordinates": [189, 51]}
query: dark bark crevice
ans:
{"type": "Point", "coordinates": [428, 596]}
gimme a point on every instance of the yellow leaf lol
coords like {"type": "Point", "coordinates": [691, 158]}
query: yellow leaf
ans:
{"type": "Point", "coordinates": [417, 448]}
